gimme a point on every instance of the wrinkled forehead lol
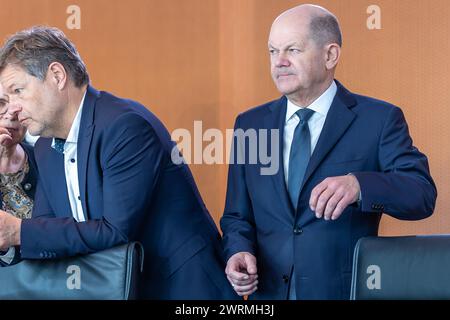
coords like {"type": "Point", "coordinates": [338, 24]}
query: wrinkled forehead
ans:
{"type": "Point", "coordinates": [10, 74]}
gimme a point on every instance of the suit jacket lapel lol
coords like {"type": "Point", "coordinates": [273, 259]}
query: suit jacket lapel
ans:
{"type": "Point", "coordinates": [84, 142]}
{"type": "Point", "coordinates": [275, 119]}
{"type": "Point", "coordinates": [60, 181]}
{"type": "Point", "coordinates": [52, 168]}
{"type": "Point", "coordinates": [337, 122]}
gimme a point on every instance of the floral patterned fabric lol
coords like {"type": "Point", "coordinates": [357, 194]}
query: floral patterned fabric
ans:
{"type": "Point", "coordinates": [15, 200]}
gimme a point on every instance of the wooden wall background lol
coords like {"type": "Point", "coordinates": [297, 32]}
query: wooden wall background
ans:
{"type": "Point", "coordinates": [207, 60]}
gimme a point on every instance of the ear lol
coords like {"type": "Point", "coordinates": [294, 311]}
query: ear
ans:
{"type": "Point", "coordinates": [57, 74]}
{"type": "Point", "coordinates": [333, 53]}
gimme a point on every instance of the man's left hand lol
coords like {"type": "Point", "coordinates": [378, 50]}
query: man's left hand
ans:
{"type": "Point", "coordinates": [9, 230]}
{"type": "Point", "coordinates": [330, 197]}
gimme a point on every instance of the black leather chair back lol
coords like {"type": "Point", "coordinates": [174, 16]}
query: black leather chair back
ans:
{"type": "Point", "coordinates": [413, 267]}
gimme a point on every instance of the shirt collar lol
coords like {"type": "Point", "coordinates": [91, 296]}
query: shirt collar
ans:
{"type": "Point", "coordinates": [75, 128]}
{"type": "Point", "coordinates": [321, 105]}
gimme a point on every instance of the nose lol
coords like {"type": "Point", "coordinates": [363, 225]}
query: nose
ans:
{"type": "Point", "coordinates": [13, 110]}
{"type": "Point", "coordinates": [281, 60]}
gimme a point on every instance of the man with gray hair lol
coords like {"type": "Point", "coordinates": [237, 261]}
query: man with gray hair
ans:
{"type": "Point", "coordinates": [106, 175]}
{"type": "Point", "coordinates": [346, 160]}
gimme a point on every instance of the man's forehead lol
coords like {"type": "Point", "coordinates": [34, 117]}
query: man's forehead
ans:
{"type": "Point", "coordinates": [10, 73]}
{"type": "Point", "coordinates": [284, 38]}
{"type": "Point", "coordinates": [299, 28]}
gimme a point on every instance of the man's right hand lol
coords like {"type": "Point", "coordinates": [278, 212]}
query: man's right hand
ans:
{"type": "Point", "coordinates": [241, 271]}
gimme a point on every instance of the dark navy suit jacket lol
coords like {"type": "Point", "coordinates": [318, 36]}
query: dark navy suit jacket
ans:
{"type": "Point", "coordinates": [130, 191]}
{"type": "Point", "coordinates": [363, 136]}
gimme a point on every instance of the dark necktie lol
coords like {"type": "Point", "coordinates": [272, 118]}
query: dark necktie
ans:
{"type": "Point", "coordinates": [59, 145]}
{"type": "Point", "coordinates": [299, 155]}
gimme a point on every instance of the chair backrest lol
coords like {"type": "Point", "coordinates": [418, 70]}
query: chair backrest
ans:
{"type": "Point", "coordinates": [413, 267]}
{"type": "Point", "coordinates": [111, 274]}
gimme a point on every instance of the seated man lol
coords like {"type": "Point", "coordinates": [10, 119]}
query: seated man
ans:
{"type": "Point", "coordinates": [107, 175]}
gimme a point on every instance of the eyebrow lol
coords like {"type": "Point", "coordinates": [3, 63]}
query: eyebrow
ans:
{"type": "Point", "coordinates": [12, 83]}
{"type": "Point", "coordinates": [10, 86]}
{"type": "Point", "coordinates": [289, 45]}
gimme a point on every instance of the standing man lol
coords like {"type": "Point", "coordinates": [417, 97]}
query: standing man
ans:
{"type": "Point", "coordinates": [346, 159]}
{"type": "Point", "coordinates": [106, 175]}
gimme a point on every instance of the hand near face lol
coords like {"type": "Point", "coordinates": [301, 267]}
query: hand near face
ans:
{"type": "Point", "coordinates": [9, 230]}
{"type": "Point", "coordinates": [333, 195]}
{"type": "Point", "coordinates": [241, 271]}
{"type": "Point", "coordinates": [5, 137]}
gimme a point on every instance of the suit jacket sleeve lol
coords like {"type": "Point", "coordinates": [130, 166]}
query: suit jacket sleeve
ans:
{"type": "Point", "coordinates": [130, 157]}
{"type": "Point", "coordinates": [41, 206]}
{"type": "Point", "coordinates": [403, 187]}
{"type": "Point", "coordinates": [237, 222]}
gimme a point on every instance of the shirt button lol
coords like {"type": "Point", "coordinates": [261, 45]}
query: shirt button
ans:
{"type": "Point", "coordinates": [27, 186]}
{"type": "Point", "coordinates": [72, 160]}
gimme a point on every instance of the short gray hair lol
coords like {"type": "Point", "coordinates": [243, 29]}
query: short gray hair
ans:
{"type": "Point", "coordinates": [324, 29]}
{"type": "Point", "coordinates": [36, 48]}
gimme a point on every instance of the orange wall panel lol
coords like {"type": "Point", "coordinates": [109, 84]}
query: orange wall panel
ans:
{"type": "Point", "coordinates": [189, 60]}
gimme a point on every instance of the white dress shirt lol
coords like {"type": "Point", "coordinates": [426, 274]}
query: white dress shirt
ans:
{"type": "Point", "coordinates": [71, 166]}
{"type": "Point", "coordinates": [321, 106]}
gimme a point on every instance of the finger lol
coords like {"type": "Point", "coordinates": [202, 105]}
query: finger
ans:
{"type": "Point", "coordinates": [322, 202]}
{"type": "Point", "coordinates": [234, 266]}
{"type": "Point", "coordinates": [332, 203]}
{"type": "Point", "coordinates": [5, 134]}
{"type": "Point", "coordinates": [250, 262]}
{"type": "Point", "coordinates": [231, 282]}
{"type": "Point", "coordinates": [240, 283]}
{"type": "Point", "coordinates": [237, 276]}
{"type": "Point", "coordinates": [243, 289]}
{"type": "Point", "coordinates": [245, 282]}
{"type": "Point", "coordinates": [5, 140]}
{"type": "Point", "coordinates": [340, 207]}
{"type": "Point", "coordinates": [321, 187]}
{"type": "Point", "coordinates": [4, 130]}
{"type": "Point", "coordinates": [250, 279]}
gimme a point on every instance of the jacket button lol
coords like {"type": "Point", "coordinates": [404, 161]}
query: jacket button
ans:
{"type": "Point", "coordinates": [285, 278]}
{"type": "Point", "coordinates": [298, 231]}
{"type": "Point", "coordinates": [27, 186]}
